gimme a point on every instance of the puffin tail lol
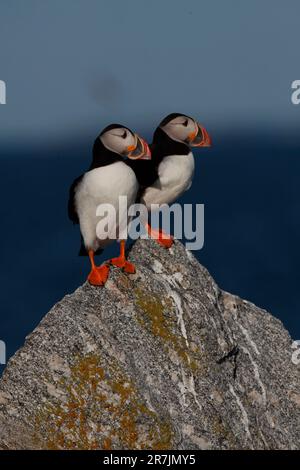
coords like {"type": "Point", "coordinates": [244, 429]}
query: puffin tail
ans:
{"type": "Point", "coordinates": [82, 250]}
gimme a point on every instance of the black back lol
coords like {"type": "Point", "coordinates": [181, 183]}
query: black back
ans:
{"type": "Point", "coordinates": [72, 213]}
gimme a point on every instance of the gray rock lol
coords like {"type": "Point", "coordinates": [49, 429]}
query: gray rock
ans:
{"type": "Point", "coordinates": [162, 359]}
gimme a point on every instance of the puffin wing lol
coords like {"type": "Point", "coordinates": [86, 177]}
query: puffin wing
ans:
{"type": "Point", "coordinates": [147, 176]}
{"type": "Point", "coordinates": [72, 212]}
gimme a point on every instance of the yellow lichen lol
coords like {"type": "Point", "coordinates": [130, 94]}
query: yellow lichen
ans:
{"type": "Point", "coordinates": [160, 319]}
{"type": "Point", "coordinates": [101, 410]}
{"type": "Point", "coordinates": [222, 431]}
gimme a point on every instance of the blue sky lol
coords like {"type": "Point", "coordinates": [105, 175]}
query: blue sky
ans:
{"type": "Point", "coordinates": [71, 66]}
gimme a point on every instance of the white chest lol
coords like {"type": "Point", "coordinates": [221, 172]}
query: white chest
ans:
{"type": "Point", "coordinates": [175, 177]}
{"type": "Point", "coordinates": [106, 184]}
{"type": "Point", "coordinates": [177, 171]}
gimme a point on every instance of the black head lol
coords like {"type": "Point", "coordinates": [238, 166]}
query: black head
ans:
{"type": "Point", "coordinates": [118, 143]}
{"type": "Point", "coordinates": [177, 133]}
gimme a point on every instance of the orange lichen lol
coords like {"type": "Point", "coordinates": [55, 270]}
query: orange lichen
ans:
{"type": "Point", "coordinates": [101, 409]}
{"type": "Point", "coordinates": [159, 319]}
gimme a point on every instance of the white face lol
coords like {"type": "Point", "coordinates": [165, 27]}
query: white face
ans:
{"type": "Point", "coordinates": [181, 129]}
{"type": "Point", "coordinates": [119, 140]}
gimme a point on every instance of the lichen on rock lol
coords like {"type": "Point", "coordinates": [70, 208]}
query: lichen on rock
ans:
{"type": "Point", "coordinates": [99, 407]}
{"type": "Point", "coordinates": [162, 359]}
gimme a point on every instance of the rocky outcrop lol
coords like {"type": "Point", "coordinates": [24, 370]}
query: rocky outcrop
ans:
{"type": "Point", "coordinates": [162, 359]}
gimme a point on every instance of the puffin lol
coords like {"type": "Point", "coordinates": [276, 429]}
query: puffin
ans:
{"type": "Point", "coordinates": [170, 172]}
{"type": "Point", "coordinates": [108, 178]}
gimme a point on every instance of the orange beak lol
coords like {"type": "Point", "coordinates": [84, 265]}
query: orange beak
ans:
{"type": "Point", "coordinates": [140, 151]}
{"type": "Point", "coordinates": [199, 138]}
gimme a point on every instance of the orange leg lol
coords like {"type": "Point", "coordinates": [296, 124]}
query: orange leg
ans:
{"type": "Point", "coordinates": [99, 274]}
{"type": "Point", "coordinates": [121, 261]}
{"type": "Point", "coordinates": [160, 236]}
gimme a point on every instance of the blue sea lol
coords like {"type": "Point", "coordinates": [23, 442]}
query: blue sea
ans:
{"type": "Point", "coordinates": [248, 183]}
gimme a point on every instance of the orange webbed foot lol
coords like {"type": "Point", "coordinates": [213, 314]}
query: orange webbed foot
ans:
{"type": "Point", "coordinates": [165, 240]}
{"type": "Point", "coordinates": [98, 275]}
{"type": "Point", "coordinates": [161, 237]}
{"type": "Point", "coordinates": [129, 268]}
{"type": "Point", "coordinates": [122, 263]}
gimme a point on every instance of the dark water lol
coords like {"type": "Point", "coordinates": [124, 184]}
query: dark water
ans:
{"type": "Point", "coordinates": [251, 194]}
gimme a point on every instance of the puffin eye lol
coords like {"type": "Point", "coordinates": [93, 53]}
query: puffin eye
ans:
{"type": "Point", "coordinates": [185, 123]}
{"type": "Point", "coordinates": [124, 135]}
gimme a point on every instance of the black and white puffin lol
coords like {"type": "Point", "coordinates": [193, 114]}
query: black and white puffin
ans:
{"type": "Point", "coordinates": [170, 172]}
{"type": "Point", "coordinates": [108, 178]}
